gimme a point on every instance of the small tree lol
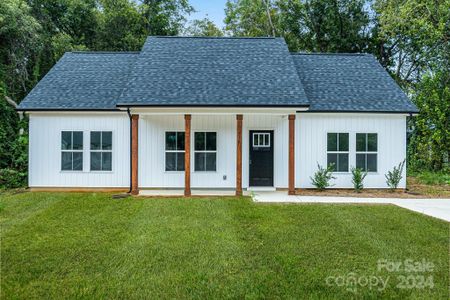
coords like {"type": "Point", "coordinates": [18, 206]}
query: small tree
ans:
{"type": "Point", "coordinates": [358, 176]}
{"type": "Point", "coordinates": [322, 177]}
{"type": "Point", "coordinates": [393, 177]}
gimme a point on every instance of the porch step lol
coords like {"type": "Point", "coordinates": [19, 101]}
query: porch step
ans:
{"type": "Point", "coordinates": [261, 189]}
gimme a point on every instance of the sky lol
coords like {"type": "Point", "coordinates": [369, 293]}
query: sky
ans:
{"type": "Point", "coordinates": [212, 9]}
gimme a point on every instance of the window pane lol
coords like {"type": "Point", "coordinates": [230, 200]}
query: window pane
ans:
{"type": "Point", "coordinates": [199, 141]}
{"type": "Point", "coordinates": [361, 161]}
{"type": "Point", "coordinates": [171, 138]}
{"type": "Point", "coordinates": [372, 142]}
{"type": "Point", "coordinates": [255, 139]}
{"type": "Point", "coordinates": [371, 162]}
{"type": "Point", "coordinates": [343, 141]}
{"type": "Point", "coordinates": [343, 163]}
{"type": "Point", "coordinates": [180, 140]}
{"type": "Point", "coordinates": [211, 141]}
{"type": "Point", "coordinates": [77, 161]}
{"type": "Point", "coordinates": [210, 161]}
{"type": "Point", "coordinates": [66, 161]}
{"type": "Point", "coordinates": [199, 161]}
{"type": "Point", "coordinates": [171, 161]}
{"type": "Point", "coordinates": [77, 140]}
{"type": "Point", "coordinates": [107, 140]}
{"type": "Point", "coordinates": [66, 140]}
{"type": "Point", "coordinates": [96, 160]}
{"type": "Point", "coordinates": [332, 159]}
{"type": "Point", "coordinates": [95, 140]}
{"type": "Point", "coordinates": [332, 141]}
{"type": "Point", "coordinates": [180, 161]}
{"type": "Point", "coordinates": [106, 161]}
{"type": "Point", "coordinates": [360, 142]}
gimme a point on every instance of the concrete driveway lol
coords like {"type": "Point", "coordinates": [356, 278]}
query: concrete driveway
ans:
{"type": "Point", "coordinates": [438, 208]}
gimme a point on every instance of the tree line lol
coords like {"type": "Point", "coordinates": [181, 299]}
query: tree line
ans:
{"type": "Point", "coordinates": [410, 38]}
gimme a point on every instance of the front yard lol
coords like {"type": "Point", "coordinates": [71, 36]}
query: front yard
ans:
{"type": "Point", "coordinates": [62, 245]}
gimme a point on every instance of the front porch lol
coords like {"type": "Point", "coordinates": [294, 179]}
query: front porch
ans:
{"type": "Point", "coordinates": [203, 152]}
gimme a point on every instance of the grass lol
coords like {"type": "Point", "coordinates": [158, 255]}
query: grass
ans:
{"type": "Point", "coordinates": [62, 245]}
{"type": "Point", "coordinates": [433, 178]}
{"type": "Point", "coordinates": [429, 184]}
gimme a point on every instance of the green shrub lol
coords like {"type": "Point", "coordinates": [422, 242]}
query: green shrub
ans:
{"type": "Point", "coordinates": [393, 177]}
{"type": "Point", "coordinates": [10, 178]}
{"type": "Point", "coordinates": [322, 177]}
{"type": "Point", "coordinates": [358, 176]}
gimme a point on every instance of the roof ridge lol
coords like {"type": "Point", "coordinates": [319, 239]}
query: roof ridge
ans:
{"type": "Point", "coordinates": [331, 53]}
{"type": "Point", "coordinates": [214, 37]}
{"type": "Point", "coordinates": [104, 52]}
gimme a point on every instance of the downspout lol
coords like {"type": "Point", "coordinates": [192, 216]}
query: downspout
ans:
{"type": "Point", "coordinates": [131, 156]}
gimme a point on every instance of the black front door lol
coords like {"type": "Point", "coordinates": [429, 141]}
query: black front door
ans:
{"type": "Point", "coordinates": [261, 158]}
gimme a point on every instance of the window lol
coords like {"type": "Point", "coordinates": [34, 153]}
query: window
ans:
{"type": "Point", "coordinates": [174, 151]}
{"type": "Point", "coordinates": [205, 151]}
{"type": "Point", "coordinates": [101, 150]}
{"type": "Point", "coordinates": [366, 151]}
{"type": "Point", "coordinates": [261, 139]}
{"type": "Point", "coordinates": [71, 150]}
{"type": "Point", "coordinates": [337, 151]}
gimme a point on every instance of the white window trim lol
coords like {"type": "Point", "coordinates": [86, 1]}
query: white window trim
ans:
{"type": "Point", "coordinates": [205, 151]}
{"type": "Point", "coordinates": [259, 134]}
{"type": "Point", "coordinates": [367, 152]}
{"type": "Point", "coordinates": [339, 152]}
{"type": "Point", "coordinates": [172, 151]}
{"type": "Point", "coordinates": [101, 150]}
{"type": "Point", "coordinates": [71, 151]}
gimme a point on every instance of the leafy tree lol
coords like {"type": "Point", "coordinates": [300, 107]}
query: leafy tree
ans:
{"type": "Point", "coordinates": [204, 27]}
{"type": "Point", "coordinates": [417, 34]}
{"type": "Point", "coordinates": [325, 25]}
{"type": "Point", "coordinates": [430, 142]}
{"type": "Point", "coordinates": [165, 17]}
{"type": "Point", "coordinates": [313, 25]}
{"type": "Point", "coordinates": [251, 18]}
{"type": "Point", "coordinates": [20, 45]}
{"type": "Point", "coordinates": [122, 26]}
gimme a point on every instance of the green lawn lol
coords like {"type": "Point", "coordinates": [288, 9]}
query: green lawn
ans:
{"type": "Point", "coordinates": [62, 245]}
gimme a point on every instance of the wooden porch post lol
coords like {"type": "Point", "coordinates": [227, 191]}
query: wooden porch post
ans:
{"type": "Point", "coordinates": [239, 155]}
{"type": "Point", "coordinates": [134, 154]}
{"type": "Point", "coordinates": [291, 155]}
{"type": "Point", "coordinates": [187, 155]}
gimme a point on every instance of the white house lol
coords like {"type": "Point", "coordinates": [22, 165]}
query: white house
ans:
{"type": "Point", "coordinates": [213, 113]}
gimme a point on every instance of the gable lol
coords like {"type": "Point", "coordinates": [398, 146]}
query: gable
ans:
{"type": "Point", "coordinates": [214, 71]}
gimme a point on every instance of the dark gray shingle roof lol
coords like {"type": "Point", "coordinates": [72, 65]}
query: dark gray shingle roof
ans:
{"type": "Point", "coordinates": [214, 71]}
{"type": "Point", "coordinates": [82, 80]}
{"type": "Point", "coordinates": [184, 71]}
{"type": "Point", "coordinates": [349, 82]}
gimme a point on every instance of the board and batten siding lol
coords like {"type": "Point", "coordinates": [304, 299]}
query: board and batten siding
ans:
{"type": "Point", "coordinates": [152, 130]}
{"type": "Point", "coordinates": [311, 145]}
{"type": "Point", "coordinates": [45, 150]}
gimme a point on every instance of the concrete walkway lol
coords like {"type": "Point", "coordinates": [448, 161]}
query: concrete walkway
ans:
{"type": "Point", "coordinates": [438, 208]}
